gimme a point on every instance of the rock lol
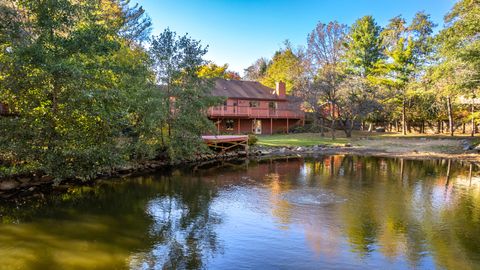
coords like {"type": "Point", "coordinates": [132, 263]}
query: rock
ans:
{"type": "Point", "coordinates": [477, 148]}
{"type": "Point", "coordinates": [380, 129]}
{"type": "Point", "coordinates": [299, 149]}
{"type": "Point", "coordinates": [46, 178]}
{"type": "Point", "coordinates": [348, 145]}
{"type": "Point", "coordinates": [8, 184]}
{"type": "Point", "coordinates": [466, 145]}
{"type": "Point", "coordinates": [24, 180]}
{"type": "Point", "coordinates": [282, 150]}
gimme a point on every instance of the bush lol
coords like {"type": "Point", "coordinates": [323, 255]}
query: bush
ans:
{"type": "Point", "coordinates": [252, 139]}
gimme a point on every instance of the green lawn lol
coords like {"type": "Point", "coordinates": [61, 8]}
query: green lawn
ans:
{"type": "Point", "coordinates": [381, 139]}
{"type": "Point", "coordinates": [300, 139]}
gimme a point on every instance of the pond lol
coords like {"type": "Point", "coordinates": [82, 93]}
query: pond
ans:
{"type": "Point", "coordinates": [328, 212]}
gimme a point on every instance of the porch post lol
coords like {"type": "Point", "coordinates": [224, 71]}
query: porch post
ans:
{"type": "Point", "coordinates": [287, 126]}
{"type": "Point", "coordinates": [238, 126]}
{"type": "Point", "coordinates": [271, 126]}
{"type": "Point", "coordinates": [218, 126]}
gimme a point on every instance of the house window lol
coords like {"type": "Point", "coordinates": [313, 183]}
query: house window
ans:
{"type": "Point", "coordinates": [229, 124]}
{"type": "Point", "coordinates": [272, 105]}
{"type": "Point", "coordinates": [225, 105]}
{"type": "Point", "coordinates": [254, 104]}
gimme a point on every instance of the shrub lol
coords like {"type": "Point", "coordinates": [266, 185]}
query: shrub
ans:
{"type": "Point", "coordinates": [252, 139]}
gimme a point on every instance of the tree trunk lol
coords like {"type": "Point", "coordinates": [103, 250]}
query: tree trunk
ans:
{"type": "Point", "coordinates": [321, 127]}
{"type": "Point", "coordinates": [352, 123]}
{"type": "Point", "coordinates": [404, 122]}
{"type": "Point", "coordinates": [332, 129]}
{"type": "Point", "coordinates": [450, 115]}
{"type": "Point", "coordinates": [346, 129]}
{"type": "Point", "coordinates": [370, 127]}
{"type": "Point", "coordinates": [472, 111]}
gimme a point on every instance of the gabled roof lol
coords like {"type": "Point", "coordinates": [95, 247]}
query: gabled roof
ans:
{"type": "Point", "coordinates": [243, 90]}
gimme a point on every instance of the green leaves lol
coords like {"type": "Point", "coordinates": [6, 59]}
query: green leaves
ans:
{"type": "Point", "coordinates": [364, 46]}
{"type": "Point", "coordinates": [177, 61]}
{"type": "Point", "coordinates": [73, 86]}
{"type": "Point", "coordinates": [286, 66]}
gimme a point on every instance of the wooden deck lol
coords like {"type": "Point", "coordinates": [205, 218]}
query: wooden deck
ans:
{"type": "Point", "coordinates": [226, 142]}
{"type": "Point", "coordinates": [254, 113]}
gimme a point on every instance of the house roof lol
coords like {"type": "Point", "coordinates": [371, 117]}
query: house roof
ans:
{"type": "Point", "coordinates": [243, 90]}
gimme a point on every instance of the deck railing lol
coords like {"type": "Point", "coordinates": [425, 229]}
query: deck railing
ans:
{"type": "Point", "coordinates": [253, 112]}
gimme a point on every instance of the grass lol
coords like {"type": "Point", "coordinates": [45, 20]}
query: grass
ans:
{"type": "Point", "coordinates": [299, 139]}
{"type": "Point", "coordinates": [382, 139]}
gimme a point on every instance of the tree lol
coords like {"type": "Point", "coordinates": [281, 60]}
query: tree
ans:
{"type": "Point", "coordinates": [232, 75]}
{"type": "Point", "coordinates": [177, 61]}
{"type": "Point", "coordinates": [407, 49]}
{"type": "Point", "coordinates": [364, 50]}
{"type": "Point", "coordinates": [69, 79]}
{"type": "Point", "coordinates": [257, 70]}
{"type": "Point", "coordinates": [398, 68]}
{"type": "Point", "coordinates": [364, 47]}
{"type": "Point", "coordinates": [286, 66]}
{"type": "Point", "coordinates": [137, 25]}
{"type": "Point", "coordinates": [325, 51]}
{"type": "Point", "coordinates": [211, 71]}
{"type": "Point", "coordinates": [458, 68]}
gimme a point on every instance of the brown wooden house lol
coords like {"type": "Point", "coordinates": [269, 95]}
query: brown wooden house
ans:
{"type": "Point", "coordinates": [251, 107]}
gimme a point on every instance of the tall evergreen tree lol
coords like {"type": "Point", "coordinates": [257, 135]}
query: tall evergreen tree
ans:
{"type": "Point", "coordinates": [137, 25]}
{"type": "Point", "coordinates": [177, 61]}
{"type": "Point", "coordinates": [364, 50]}
{"type": "Point", "coordinates": [364, 47]}
{"type": "Point", "coordinates": [458, 69]}
{"type": "Point", "coordinates": [407, 49]}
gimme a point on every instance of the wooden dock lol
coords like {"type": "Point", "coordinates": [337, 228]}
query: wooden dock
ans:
{"type": "Point", "coordinates": [226, 142]}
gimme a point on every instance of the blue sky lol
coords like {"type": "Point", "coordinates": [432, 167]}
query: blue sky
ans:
{"type": "Point", "coordinates": [239, 32]}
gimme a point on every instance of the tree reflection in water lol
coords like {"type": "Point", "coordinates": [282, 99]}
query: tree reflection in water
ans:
{"type": "Point", "coordinates": [351, 212]}
{"type": "Point", "coordinates": [147, 223]}
{"type": "Point", "coordinates": [183, 226]}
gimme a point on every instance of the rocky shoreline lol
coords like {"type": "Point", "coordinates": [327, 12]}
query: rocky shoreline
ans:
{"type": "Point", "coordinates": [26, 184]}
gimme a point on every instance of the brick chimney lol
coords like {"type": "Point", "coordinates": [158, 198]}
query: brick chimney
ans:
{"type": "Point", "coordinates": [280, 89]}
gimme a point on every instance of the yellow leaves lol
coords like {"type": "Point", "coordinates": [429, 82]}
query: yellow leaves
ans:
{"type": "Point", "coordinates": [211, 70]}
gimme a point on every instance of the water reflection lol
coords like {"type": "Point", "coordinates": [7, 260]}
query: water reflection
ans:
{"type": "Point", "coordinates": [337, 211]}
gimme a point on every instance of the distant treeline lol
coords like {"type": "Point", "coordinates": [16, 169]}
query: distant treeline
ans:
{"type": "Point", "coordinates": [397, 75]}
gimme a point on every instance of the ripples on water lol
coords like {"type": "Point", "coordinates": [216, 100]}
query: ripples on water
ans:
{"type": "Point", "coordinates": [334, 212]}
{"type": "Point", "coordinates": [312, 197]}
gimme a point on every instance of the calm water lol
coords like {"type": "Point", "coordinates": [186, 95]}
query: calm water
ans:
{"type": "Point", "coordinates": [320, 213]}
